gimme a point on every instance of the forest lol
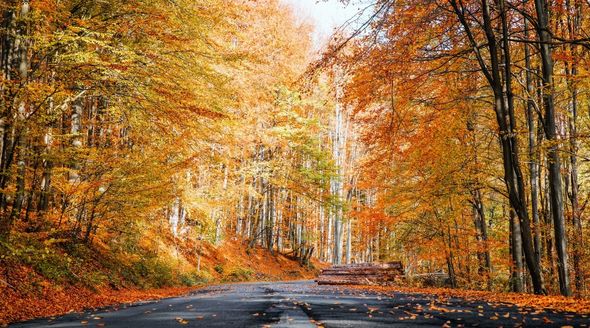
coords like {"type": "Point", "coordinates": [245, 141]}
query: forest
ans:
{"type": "Point", "coordinates": [138, 136]}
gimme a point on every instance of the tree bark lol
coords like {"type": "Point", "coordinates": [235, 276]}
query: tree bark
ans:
{"type": "Point", "coordinates": [533, 158]}
{"type": "Point", "coordinates": [555, 189]}
{"type": "Point", "coordinates": [571, 72]}
{"type": "Point", "coordinates": [503, 107]}
{"type": "Point", "coordinates": [516, 251]}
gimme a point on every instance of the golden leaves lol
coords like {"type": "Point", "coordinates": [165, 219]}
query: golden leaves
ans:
{"type": "Point", "coordinates": [181, 321]}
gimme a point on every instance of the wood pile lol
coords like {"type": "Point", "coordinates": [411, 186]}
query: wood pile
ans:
{"type": "Point", "coordinates": [361, 274]}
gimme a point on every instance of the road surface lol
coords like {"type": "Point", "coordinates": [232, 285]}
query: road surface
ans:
{"type": "Point", "coordinates": [304, 304]}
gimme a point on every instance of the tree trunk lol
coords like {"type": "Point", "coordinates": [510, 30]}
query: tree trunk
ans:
{"type": "Point", "coordinates": [483, 252]}
{"type": "Point", "coordinates": [574, 22]}
{"type": "Point", "coordinates": [21, 47]}
{"type": "Point", "coordinates": [533, 158]}
{"type": "Point", "coordinates": [348, 241]}
{"type": "Point", "coordinates": [503, 107]}
{"type": "Point", "coordinates": [516, 251]}
{"type": "Point", "coordinates": [555, 191]}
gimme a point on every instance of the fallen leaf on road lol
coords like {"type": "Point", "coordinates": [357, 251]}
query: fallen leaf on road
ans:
{"type": "Point", "coordinates": [372, 309]}
{"type": "Point", "coordinates": [181, 321]}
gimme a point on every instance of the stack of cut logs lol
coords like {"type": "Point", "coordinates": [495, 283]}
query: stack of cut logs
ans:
{"type": "Point", "coordinates": [361, 274]}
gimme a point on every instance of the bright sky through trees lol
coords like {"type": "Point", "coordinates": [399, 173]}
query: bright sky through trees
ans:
{"type": "Point", "coordinates": [325, 15]}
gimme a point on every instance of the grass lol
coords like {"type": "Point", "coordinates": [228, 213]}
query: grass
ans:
{"type": "Point", "coordinates": [238, 274]}
{"type": "Point", "coordinates": [64, 262]}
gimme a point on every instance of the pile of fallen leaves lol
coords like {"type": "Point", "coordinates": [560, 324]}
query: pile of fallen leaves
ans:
{"type": "Point", "coordinates": [557, 303]}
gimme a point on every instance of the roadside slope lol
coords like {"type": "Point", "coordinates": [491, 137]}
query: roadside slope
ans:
{"type": "Point", "coordinates": [42, 279]}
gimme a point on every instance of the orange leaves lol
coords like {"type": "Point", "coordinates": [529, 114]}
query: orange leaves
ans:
{"type": "Point", "coordinates": [538, 302]}
{"type": "Point", "coordinates": [55, 301]}
{"type": "Point", "coordinates": [182, 321]}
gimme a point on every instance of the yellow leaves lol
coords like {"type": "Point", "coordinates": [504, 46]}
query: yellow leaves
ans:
{"type": "Point", "coordinates": [411, 315]}
{"type": "Point", "coordinates": [372, 309]}
{"type": "Point", "coordinates": [181, 321]}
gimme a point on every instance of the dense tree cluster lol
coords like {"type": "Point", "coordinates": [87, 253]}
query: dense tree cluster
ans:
{"type": "Point", "coordinates": [141, 124]}
{"type": "Point", "coordinates": [450, 134]}
{"type": "Point", "coordinates": [473, 117]}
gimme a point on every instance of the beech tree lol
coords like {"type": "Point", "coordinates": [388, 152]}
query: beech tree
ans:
{"type": "Point", "coordinates": [450, 134]}
{"type": "Point", "coordinates": [506, 51]}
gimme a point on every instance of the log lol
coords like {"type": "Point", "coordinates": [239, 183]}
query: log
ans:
{"type": "Point", "coordinates": [388, 265]}
{"type": "Point", "coordinates": [361, 274]}
{"type": "Point", "coordinates": [362, 271]}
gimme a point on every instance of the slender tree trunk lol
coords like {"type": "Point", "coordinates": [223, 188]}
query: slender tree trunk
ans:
{"type": "Point", "coordinates": [503, 107]}
{"type": "Point", "coordinates": [20, 177]}
{"type": "Point", "coordinates": [533, 159]}
{"type": "Point", "coordinates": [322, 218]}
{"type": "Point", "coordinates": [21, 47]}
{"type": "Point", "coordinates": [451, 259]}
{"type": "Point", "coordinates": [555, 189]}
{"type": "Point", "coordinates": [76, 130]}
{"type": "Point", "coordinates": [574, 22]}
{"type": "Point", "coordinates": [483, 253]}
{"type": "Point", "coordinates": [34, 187]}
{"type": "Point", "coordinates": [533, 262]}
{"type": "Point", "coordinates": [516, 251]}
{"type": "Point", "coordinates": [348, 241]}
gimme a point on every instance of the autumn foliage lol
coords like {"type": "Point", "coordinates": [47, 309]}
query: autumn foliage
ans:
{"type": "Point", "coordinates": [470, 117]}
{"type": "Point", "coordinates": [139, 138]}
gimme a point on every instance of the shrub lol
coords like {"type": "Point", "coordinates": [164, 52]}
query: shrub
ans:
{"type": "Point", "coordinates": [239, 274]}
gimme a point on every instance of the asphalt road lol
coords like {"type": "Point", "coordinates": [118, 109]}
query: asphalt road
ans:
{"type": "Point", "coordinates": [304, 304]}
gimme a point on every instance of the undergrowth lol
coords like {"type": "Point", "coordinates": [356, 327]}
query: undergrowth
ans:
{"type": "Point", "coordinates": [68, 262]}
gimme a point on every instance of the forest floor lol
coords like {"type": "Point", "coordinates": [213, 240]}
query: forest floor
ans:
{"type": "Point", "coordinates": [38, 280]}
{"type": "Point", "coordinates": [521, 300]}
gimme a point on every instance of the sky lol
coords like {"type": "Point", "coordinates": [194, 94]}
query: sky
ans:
{"type": "Point", "coordinates": [326, 15]}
